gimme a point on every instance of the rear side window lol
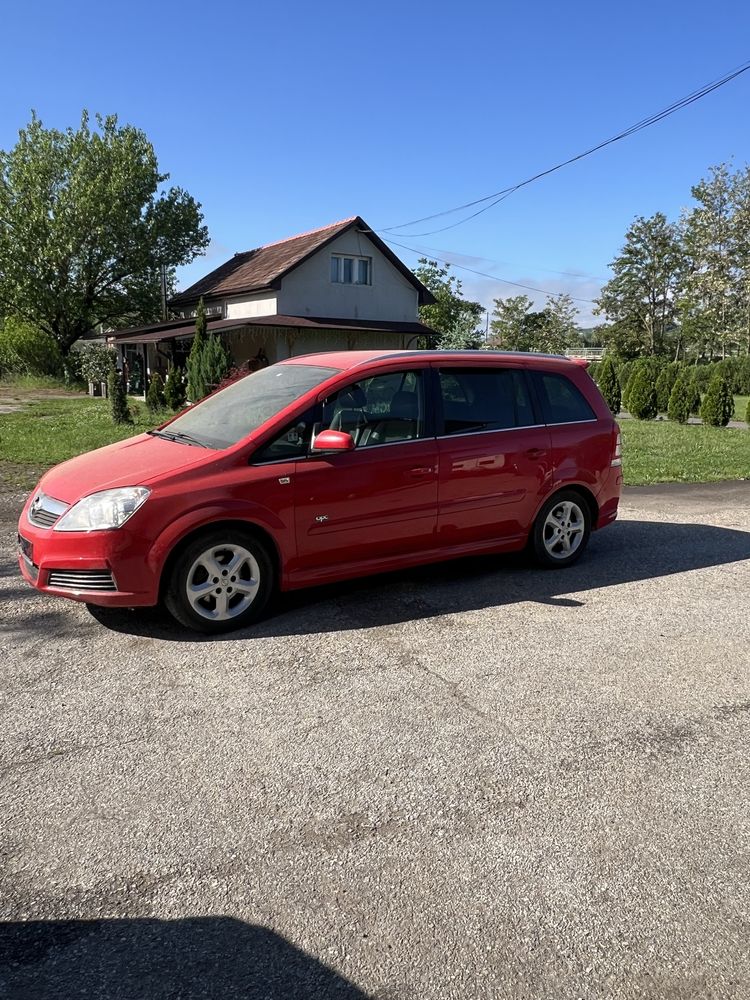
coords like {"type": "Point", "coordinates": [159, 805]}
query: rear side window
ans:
{"type": "Point", "coordinates": [562, 402]}
{"type": "Point", "coordinates": [484, 399]}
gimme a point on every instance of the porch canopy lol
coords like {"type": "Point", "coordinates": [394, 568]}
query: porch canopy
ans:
{"type": "Point", "coordinates": [181, 330]}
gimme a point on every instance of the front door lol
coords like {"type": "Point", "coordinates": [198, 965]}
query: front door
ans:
{"type": "Point", "coordinates": [379, 500]}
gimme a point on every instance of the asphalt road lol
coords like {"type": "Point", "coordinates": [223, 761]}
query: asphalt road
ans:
{"type": "Point", "coordinates": [476, 780]}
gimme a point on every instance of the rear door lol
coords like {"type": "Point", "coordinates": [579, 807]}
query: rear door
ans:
{"type": "Point", "coordinates": [494, 454]}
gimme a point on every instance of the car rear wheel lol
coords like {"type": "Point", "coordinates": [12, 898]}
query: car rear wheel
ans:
{"type": "Point", "coordinates": [561, 530]}
{"type": "Point", "coordinates": [220, 582]}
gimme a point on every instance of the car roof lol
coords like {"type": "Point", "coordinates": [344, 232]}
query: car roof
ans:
{"type": "Point", "coordinates": [345, 360]}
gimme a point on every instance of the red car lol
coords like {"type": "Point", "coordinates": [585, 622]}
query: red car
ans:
{"type": "Point", "coordinates": [326, 467]}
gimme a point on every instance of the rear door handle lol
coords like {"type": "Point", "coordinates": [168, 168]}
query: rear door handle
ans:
{"type": "Point", "coordinates": [535, 452]}
{"type": "Point", "coordinates": [422, 470]}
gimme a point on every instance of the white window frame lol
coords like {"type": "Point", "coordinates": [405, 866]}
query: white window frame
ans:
{"type": "Point", "coordinates": [354, 258]}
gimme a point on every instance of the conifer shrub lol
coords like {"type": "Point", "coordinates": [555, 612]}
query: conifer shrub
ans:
{"type": "Point", "coordinates": [680, 398]}
{"type": "Point", "coordinates": [609, 385]}
{"type": "Point", "coordinates": [664, 385]}
{"type": "Point", "coordinates": [118, 399]}
{"type": "Point", "coordinates": [717, 408]}
{"type": "Point", "coordinates": [155, 399]}
{"type": "Point", "coordinates": [174, 388]}
{"type": "Point", "coordinates": [642, 394]}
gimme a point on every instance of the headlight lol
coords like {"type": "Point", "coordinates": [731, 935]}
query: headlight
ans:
{"type": "Point", "coordinates": [107, 509]}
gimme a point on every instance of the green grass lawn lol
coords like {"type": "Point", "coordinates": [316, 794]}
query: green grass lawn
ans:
{"type": "Point", "coordinates": [49, 431]}
{"type": "Point", "coordinates": [662, 452]}
{"type": "Point", "coordinates": [52, 430]}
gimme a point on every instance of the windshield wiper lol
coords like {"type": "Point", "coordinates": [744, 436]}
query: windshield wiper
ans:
{"type": "Point", "coordinates": [179, 436]}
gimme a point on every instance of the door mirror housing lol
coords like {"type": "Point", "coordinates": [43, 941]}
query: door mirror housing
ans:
{"type": "Point", "coordinates": [333, 441]}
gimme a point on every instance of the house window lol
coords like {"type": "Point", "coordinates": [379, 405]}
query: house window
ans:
{"type": "Point", "coordinates": [351, 270]}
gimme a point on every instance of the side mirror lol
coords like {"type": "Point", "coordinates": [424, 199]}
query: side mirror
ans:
{"type": "Point", "coordinates": [333, 441]}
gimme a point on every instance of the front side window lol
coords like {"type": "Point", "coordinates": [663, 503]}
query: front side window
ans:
{"type": "Point", "coordinates": [382, 409]}
{"type": "Point", "coordinates": [562, 402]}
{"type": "Point", "coordinates": [351, 270]}
{"type": "Point", "coordinates": [228, 416]}
{"type": "Point", "coordinates": [484, 399]}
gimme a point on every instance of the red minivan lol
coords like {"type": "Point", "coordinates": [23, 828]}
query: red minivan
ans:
{"type": "Point", "coordinates": [325, 467]}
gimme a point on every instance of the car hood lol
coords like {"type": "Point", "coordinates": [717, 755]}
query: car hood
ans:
{"type": "Point", "coordinates": [134, 462]}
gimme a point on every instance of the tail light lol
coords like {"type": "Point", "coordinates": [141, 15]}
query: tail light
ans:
{"type": "Point", "coordinates": [617, 453]}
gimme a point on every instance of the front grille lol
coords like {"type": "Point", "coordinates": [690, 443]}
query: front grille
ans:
{"type": "Point", "coordinates": [46, 511]}
{"type": "Point", "coordinates": [81, 579]}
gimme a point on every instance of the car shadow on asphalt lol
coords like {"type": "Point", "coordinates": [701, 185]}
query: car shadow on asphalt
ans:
{"type": "Point", "coordinates": [627, 552]}
{"type": "Point", "coordinates": [194, 959]}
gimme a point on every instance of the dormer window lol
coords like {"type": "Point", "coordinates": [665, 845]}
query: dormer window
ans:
{"type": "Point", "coordinates": [351, 270]}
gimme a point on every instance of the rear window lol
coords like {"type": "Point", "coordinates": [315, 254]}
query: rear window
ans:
{"type": "Point", "coordinates": [562, 402]}
{"type": "Point", "coordinates": [484, 399]}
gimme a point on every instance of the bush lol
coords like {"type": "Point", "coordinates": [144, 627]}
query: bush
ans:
{"type": "Point", "coordinates": [642, 394]}
{"type": "Point", "coordinates": [196, 379]}
{"type": "Point", "coordinates": [681, 398]}
{"type": "Point", "coordinates": [174, 389]}
{"type": "Point", "coordinates": [118, 398]}
{"type": "Point", "coordinates": [609, 385]}
{"type": "Point", "coordinates": [664, 385]}
{"type": "Point", "coordinates": [95, 362]}
{"type": "Point", "coordinates": [27, 350]}
{"type": "Point", "coordinates": [717, 408]}
{"type": "Point", "coordinates": [747, 413]}
{"type": "Point", "coordinates": [155, 399]}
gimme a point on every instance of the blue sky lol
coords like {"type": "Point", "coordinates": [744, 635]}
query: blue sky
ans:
{"type": "Point", "coordinates": [283, 117]}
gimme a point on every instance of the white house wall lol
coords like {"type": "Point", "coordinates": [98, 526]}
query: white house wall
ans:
{"type": "Point", "coordinates": [309, 291]}
{"type": "Point", "coordinates": [251, 305]}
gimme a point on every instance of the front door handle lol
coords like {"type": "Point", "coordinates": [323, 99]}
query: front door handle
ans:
{"type": "Point", "coordinates": [534, 452]}
{"type": "Point", "coordinates": [419, 471]}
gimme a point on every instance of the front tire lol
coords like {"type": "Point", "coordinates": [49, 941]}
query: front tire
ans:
{"type": "Point", "coordinates": [221, 581]}
{"type": "Point", "coordinates": [561, 530]}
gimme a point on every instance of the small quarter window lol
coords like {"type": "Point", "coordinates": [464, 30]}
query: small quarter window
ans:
{"type": "Point", "coordinates": [562, 402]}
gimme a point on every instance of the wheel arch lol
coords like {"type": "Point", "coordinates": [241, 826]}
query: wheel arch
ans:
{"type": "Point", "coordinates": [583, 491]}
{"type": "Point", "coordinates": [237, 524]}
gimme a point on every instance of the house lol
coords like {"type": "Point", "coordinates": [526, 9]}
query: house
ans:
{"type": "Point", "coordinates": [336, 288]}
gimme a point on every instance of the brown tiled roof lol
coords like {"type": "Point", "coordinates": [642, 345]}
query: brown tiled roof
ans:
{"type": "Point", "coordinates": [157, 332]}
{"type": "Point", "coordinates": [264, 267]}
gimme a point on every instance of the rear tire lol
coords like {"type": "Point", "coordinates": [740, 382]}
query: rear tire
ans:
{"type": "Point", "coordinates": [561, 530]}
{"type": "Point", "coordinates": [221, 581]}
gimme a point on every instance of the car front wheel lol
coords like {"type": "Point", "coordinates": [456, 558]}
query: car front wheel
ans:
{"type": "Point", "coordinates": [561, 530]}
{"type": "Point", "coordinates": [221, 581]}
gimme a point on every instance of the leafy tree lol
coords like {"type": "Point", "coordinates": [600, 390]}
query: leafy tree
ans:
{"type": "Point", "coordinates": [155, 399]}
{"type": "Point", "coordinates": [216, 362]}
{"type": "Point", "coordinates": [717, 407]}
{"type": "Point", "coordinates": [609, 385]}
{"type": "Point", "coordinates": [642, 394]}
{"type": "Point", "coordinates": [516, 328]}
{"type": "Point", "coordinates": [27, 350]}
{"type": "Point", "coordinates": [680, 398]}
{"type": "Point", "coordinates": [710, 280]}
{"type": "Point", "coordinates": [455, 318]}
{"type": "Point", "coordinates": [118, 399]}
{"type": "Point", "coordinates": [174, 388]}
{"type": "Point", "coordinates": [196, 384]}
{"type": "Point", "coordinates": [85, 225]}
{"type": "Point", "coordinates": [639, 299]}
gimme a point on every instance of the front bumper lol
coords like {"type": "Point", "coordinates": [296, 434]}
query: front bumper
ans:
{"type": "Point", "coordinates": [82, 563]}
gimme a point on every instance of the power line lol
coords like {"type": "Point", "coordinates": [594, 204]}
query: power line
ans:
{"type": "Point", "coordinates": [493, 277]}
{"type": "Point", "coordinates": [504, 193]}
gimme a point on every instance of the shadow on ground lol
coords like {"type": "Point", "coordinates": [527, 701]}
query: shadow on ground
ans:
{"type": "Point", "coordinates": [627, 552]}
{"type": "Point", "coordinates": [195, 959]}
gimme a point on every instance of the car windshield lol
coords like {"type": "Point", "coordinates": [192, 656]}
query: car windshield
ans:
{"type": "Point", "coordinates": [230, 415]}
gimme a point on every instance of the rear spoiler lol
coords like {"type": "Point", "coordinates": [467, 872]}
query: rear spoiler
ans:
{"type": "Point", "coordinates": [580, 361]}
